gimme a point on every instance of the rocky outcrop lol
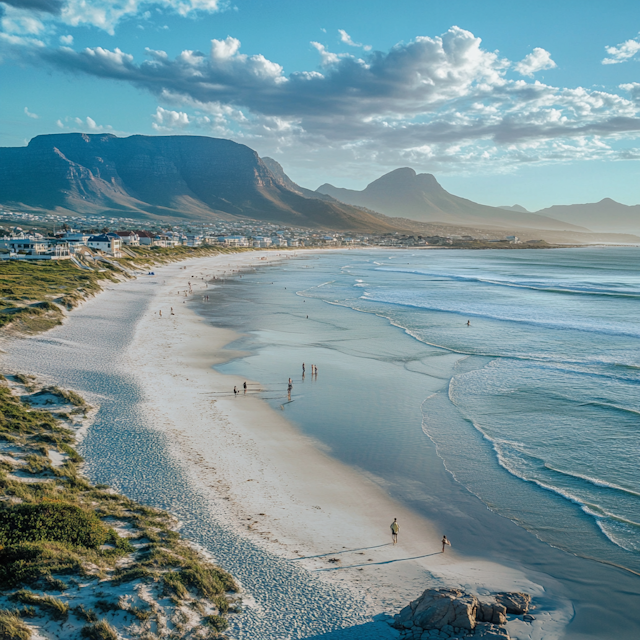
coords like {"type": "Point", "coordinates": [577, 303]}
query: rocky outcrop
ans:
{"type": "Point", "coordinates": [452, 613]}
{"type": "Point", "coordinates": [516, 603]}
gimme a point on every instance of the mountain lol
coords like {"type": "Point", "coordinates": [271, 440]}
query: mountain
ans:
{"type": "Point", "coordinates": [190, 177]}
{"type": "Point", "coordinates": [403, 193]}
{"type": "Point", "coordinates": [514, 207]}
{"type": "Point", "coordinates": [278, 172]}
{"type": "Point", "coordinates": [606, 215]}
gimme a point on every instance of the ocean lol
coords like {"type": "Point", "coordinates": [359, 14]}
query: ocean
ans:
{"type": "Point", "coordinates": [522, 367]}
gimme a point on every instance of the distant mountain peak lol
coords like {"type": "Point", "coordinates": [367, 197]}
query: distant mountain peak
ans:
{"type": "Point", "coordinates": [419, 196]}
{"type": "Point", "coordinates": [514, 207]}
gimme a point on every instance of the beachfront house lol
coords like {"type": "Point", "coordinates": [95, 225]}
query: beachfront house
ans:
{"type": "Point", "coordinates": [145, 237]}
{"type": "Point", "coordinates": [32, 248]}
{"type": "Point", "coordinates": [129, 238]}
{"type": "Point", "coordinates": [233, 241]}
{"type": "Point", "coordinates": [261, 242]}
{"type": "Point", "coordinates": [109, 243]}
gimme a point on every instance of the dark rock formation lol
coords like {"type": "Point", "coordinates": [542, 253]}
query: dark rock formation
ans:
{"type": "Point", "coordinates": [190, 177]}
{"type": "Point", "coordinates": [452, 613]}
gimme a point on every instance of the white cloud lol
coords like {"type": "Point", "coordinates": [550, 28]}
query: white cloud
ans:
{"type": "Point", "coordinates": [35, 116]}
{"type": "Point", "coordinates": [28, 16]}
{"type": "Point", "coordinates": [346, 38]}
{"type": "Point", "coordinates": [538, 60]}
{"type": "Point", "coordinates": [67, 40]}
{"type": "Point", "coordinates": [165, 120]}
{"type": "Point", "coordinates": [83, 124]}
{"type": "Point", "coordinates": [622, 52]}
{"type": "Point", "coordinates": [445, 99]}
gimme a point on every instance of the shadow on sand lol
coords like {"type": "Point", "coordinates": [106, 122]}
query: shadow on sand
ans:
{"type": "Point", "coordinates": [335, 553]}
{"type": "Point", "coordinates": [376, 629]}
{"type": "Point", "coordinates": [372, 564]}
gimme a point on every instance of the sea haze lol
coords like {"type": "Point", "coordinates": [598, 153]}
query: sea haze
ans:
{"type": "Point", "coordinates": [533, 408]}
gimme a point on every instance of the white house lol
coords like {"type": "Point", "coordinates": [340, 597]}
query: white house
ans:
{"type": "Point", "coordinates": [129, 238]}
{"type": "Point", "coordinates": [107, 243]}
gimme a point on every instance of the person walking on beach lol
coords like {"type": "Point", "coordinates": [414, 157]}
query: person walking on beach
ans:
{"type": "Point", "coordinates": [245, 386]}
{"type": "Point", "coordinates": [235, 391]}
{"type": "Point", "coordinates": [445, 543]}
{"type": "Point", "coordinates": [395, 527]}
{"type": "Point", "coordinates": [303, 369]}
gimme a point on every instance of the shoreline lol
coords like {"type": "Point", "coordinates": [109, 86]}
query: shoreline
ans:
{"type": "Point", "coordinates": [273, 469]}
{"type": "Point", "coordinates": [251, 461]}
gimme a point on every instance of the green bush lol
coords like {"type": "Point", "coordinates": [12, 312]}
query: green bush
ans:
{"type": "Point", "coordinates": [32, 562]}
{"type": "Point", "coordinates": [12, 627]}
{"type": "Point", "coordinates": [51, 521]}
{"type": "Point", "coordinates": [216, 622]}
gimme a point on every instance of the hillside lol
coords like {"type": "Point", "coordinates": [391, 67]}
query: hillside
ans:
{"type": "Point", "coordinates": [403, 193]}
{"type": "Point", "coordinates": [606, 215]}
{"type": "Point", "coordinates": [188, 177]}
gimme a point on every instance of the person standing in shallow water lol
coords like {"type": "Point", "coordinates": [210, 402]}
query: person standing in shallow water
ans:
{"type": "Point", "coordinates": [445, 543]}
{"type": "Point", "coordinates": [395, 527]}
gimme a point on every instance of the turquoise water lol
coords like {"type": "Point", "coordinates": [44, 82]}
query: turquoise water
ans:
{"type": "Point", "coordinates": [543, 384]}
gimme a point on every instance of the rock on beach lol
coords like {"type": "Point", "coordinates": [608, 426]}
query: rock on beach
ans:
{"type": "Point", "coordinates": [453, 613]}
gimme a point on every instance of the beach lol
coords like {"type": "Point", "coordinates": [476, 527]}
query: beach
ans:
{"type": "Point", "coordinates": [305, 533]}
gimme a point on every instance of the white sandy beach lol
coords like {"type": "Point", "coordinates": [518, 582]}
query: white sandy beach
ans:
{"type": "Point", "coordinates": [275, 486]}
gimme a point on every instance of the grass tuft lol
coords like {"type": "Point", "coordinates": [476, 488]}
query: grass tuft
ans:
{"type": "Point", "coordinates": [12, 627]}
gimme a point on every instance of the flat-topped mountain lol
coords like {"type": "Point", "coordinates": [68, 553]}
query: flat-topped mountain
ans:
{"type": "Point", "coordinates": [191, 177]}
{"type": "Point", "coordinates": [403, 193]}
{"type": "Point", "coordinates": [606, 215]}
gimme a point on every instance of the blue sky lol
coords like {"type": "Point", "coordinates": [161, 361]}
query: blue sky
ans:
{"type": "Point", "coordinates": [504, 101]}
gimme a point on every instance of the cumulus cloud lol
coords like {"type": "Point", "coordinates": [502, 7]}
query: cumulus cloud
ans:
{"type": "Point", "coordinates": [68, 40]}
{"type": "Point", "coordinates": [537, 60]}
{"type": "Point", "coordinates": [166, 120]}
{"type": "Point", "coordinates": [443, 99]}
{"type": "Point", "coordinates": [622, 52]}
{"type": "Point", "coordinates": [103, 14]}
{"type": "Point", "coordinates": [83, 124]}
{"type": "Point", "coordinates": [346, 38]}
{"type": "Point", "coordinates": [28, 113]}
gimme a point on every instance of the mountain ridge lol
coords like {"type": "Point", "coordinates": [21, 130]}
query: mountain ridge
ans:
{"type": "Point", "coordinates": [192, 177]}
{"type": "Point", "coordinates": [405, 193]}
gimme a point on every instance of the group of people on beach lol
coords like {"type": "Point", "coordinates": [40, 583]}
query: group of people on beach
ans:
{"type": "Point", "coordinates": [395, 529]}
{"type": "Point", "coordinates": [314, 370]}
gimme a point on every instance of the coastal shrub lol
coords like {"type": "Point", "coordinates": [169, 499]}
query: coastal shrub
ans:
{"type": "Point", "coordinates": [216, 622]}
{"type": "Point", "coordinates": [58, 609]}
{"type": "Point", "coordinates": [172, 584]}
{"type": "Point", "coordinates": [101, 630]}
{"type": "Point", "coordinates": [51, 521]}
{"type": "Point", "coordinates": [32, 562]}
{"type": "Point", "coordinates": [207, 580]}
{"type": "Point", "coordinates": [12, 627]}
{"type": "Point", "coordinates": [71, 397]}
{"type": "Point", "coordinates": [129, 575]}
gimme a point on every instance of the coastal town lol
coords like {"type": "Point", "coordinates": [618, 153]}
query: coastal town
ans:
{"type": "Point", "coordinates": [30, 236]}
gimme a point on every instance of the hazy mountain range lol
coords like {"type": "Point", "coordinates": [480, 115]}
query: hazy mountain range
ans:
{"type": "Point", "coordinates": [420, 197]}
{"type": "Point", "coordinates": [202, 178]}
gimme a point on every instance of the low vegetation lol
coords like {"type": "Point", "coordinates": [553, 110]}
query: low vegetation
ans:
{"type": "Point", "coordinates": [34, 295]}
{"type": "Point", "coordinates": [59, 533]}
